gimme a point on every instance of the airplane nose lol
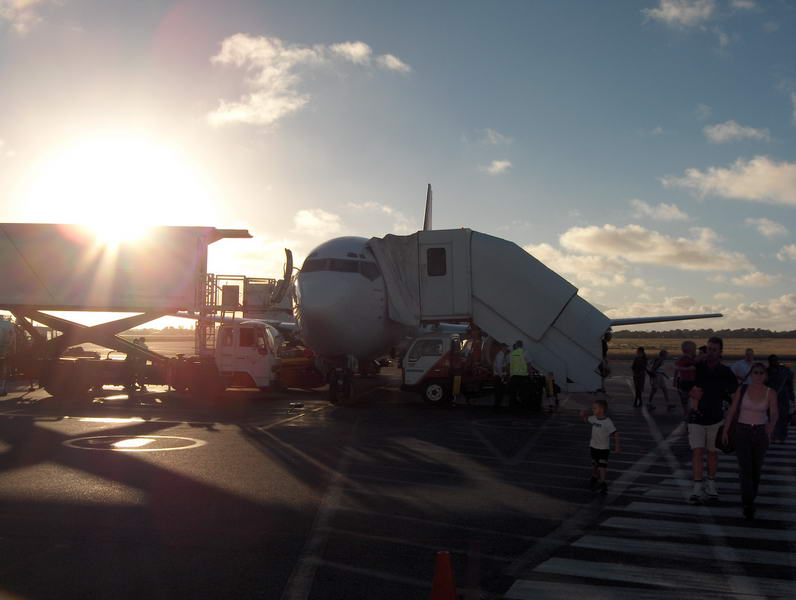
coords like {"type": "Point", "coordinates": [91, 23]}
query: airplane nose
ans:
{"type": "Point", "coordinates": [326, 313]}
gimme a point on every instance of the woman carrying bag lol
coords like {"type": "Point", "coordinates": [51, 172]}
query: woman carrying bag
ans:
{"type": "Point", "coordinates": [756, 407]}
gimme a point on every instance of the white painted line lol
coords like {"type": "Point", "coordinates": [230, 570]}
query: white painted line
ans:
{"type": "Point", "coordinates": [676, 495]}
{"type": "Point", "coordinates": [654, 508]}
{"type": "Point", "coordinates": [554, 590]}
{"type": "Point", "coordinates": [764, 489]}
{"type": "Point", "coordinates": [673, 579]}
{"type": "Point", "coordinates": [656, 548]}
{"type": "Point", "coordinates": [301, 579]}
{"type": "Point", "coordinates": [661, 528]}
{"type": "Point", "coordinates": [734, 476]}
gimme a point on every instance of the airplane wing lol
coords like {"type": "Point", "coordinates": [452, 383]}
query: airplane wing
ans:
{"type": "Point", "coordinates": [639, 320]}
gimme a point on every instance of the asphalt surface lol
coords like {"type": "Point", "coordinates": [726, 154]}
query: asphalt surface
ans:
{"type": "Point", "coordinates": [285, 496]}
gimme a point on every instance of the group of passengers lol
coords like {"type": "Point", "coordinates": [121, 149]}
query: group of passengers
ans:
{"type": "Point", "coordinates": [746, 406]}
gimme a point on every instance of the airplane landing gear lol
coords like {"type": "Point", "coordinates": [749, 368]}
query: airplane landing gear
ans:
{"type": "Point", "coordinates": [341, 385]}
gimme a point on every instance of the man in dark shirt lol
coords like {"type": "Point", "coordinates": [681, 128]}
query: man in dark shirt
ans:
{"type": "Point", "coordinates": [715, 384]}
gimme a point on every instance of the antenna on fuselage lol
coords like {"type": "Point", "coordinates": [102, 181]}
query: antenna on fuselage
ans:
{"type": "Point", "coordinates": [427, 218]}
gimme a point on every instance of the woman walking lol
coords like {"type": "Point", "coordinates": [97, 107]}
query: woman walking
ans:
{"type": "Point", "coordinates": [639, 368]}
{"type": "Point", "coordinates": [755, 405]}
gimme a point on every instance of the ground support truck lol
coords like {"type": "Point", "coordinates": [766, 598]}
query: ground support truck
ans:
{"type": "Point", "coordinates": [443, 366]}
{"type": "Point", "coordinates": [48, 268]}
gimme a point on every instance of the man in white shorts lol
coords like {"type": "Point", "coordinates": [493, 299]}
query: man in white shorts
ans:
{"type": "Point", "coordinates": [715, 383]}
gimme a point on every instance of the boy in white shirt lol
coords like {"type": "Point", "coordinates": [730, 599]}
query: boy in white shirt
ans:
{"type": "Point", "coordinates": [602, 430]}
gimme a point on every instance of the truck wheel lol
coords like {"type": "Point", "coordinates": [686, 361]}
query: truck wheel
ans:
{"type": "Point", "coordinates": [436, 394]}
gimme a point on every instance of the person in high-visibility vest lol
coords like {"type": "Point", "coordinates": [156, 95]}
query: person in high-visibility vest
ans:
{"type": "Point", "coordinates": [519, 367]}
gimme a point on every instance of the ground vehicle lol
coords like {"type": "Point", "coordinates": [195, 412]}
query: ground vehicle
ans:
{"type": "Point", "coordinates": [68, 268]}
{"type": "Point", "coordinates": [441, 365]}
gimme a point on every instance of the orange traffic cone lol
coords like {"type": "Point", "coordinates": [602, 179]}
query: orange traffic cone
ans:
{"type": "Point", "coordinates": [443, 587]}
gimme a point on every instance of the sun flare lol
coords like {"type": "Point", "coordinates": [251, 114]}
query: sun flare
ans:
{"type": "Point", "coordinates": [119, 186]}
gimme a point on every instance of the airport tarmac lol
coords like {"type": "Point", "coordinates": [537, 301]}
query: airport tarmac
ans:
{"type": "Point", "coordinates": [286, 496]}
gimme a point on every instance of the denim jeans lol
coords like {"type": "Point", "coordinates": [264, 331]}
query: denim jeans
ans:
{"type": "Point", "coordinates": [751, 443]}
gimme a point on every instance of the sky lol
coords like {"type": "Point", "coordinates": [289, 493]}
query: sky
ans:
{"type": "Point", "coordinates": [643, 149]}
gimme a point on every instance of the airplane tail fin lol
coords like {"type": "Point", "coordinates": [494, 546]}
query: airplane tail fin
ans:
{"type": "Point", "coordinates": [427, 219]}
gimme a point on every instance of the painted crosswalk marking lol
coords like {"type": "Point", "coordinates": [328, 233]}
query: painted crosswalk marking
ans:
{"type": "Point", "coordinates": [645, 547]}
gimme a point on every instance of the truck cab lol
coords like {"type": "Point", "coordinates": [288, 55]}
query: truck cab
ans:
{"type": "Point", "coordinates": [246, 354]}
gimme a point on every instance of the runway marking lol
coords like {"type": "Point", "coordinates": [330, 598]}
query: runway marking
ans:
{"type": "Point", "coordinates": [664, 528]}
{"type": "Point", "coordinates": [294, 417]}
{"type": "Point", "coordinates": [574, 525]}
{"type": "Point", "coordinates": [764, 488]}
{"type": "Point", "coordinates": [694, 581]}
{"type": "Point", "coordinates": [555, 590]}
{"type": "Point", "coordinates": [134, 443]}
{"type": "Point", "coordinates": [656, 548]}
{"type": "Point", "coordinates": [651, 508]}
{"type": "Point", "coordinates": [676, 495]}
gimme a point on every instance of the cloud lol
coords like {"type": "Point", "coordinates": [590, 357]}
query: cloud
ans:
{"type": "Point", "coordinates": [730, 131]}
{"type": "Point", "coordinates": [316, 222]}
{"type": "Point", "coordinates": [392, 63]}
{"type": "Point", "coordinates": [743, 4]}
{"type": "Point", "coordinates": [767, 227]}
{"type": "Point", "coordinates": [727, 297]}
{"type": "Point", "coordinates": [22, 14]}
{"type": "Point", "coordinates": [682, 13]}
{"type": "Point", "coordinates": [637, 244]}
{"type": "Point", "coordinates": [496, 167]}
{"type": "Point", "coordinates": [275, 70]}
{"type": "Point", "coordinates": [717, 278]}
{"type": "Point", "coordinates": [787, 252]}
{"type": "Point", "coordinates": [660, 212]}
{"type": "Point", "coordinates": [755, 279]}
{"type": "Point", "coordinates": [590, 269]}
{"type": "Point", "coordinates": [774, 313]}
{"type": "Point", "coordinates": [760, 179]}
{"type": "Point", "coordinates": [356, 52]}
{"type": "Point", "coordinates": [401, 224]}
{"type": "Point", "coordinates": [493, 137]}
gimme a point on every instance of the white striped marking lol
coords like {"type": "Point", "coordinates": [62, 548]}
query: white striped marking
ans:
{"type": "Point", "coordinates": [674, 549]}
{"type": "Point", "coordinates": [693, 581]}
{"type": "Point", "coordinates": [661, 528]}
{"type": "Point", "coordinates": [716, 511]}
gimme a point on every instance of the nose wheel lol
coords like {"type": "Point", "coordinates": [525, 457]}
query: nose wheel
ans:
{"type": "Point", "coordinates": [341, 385]}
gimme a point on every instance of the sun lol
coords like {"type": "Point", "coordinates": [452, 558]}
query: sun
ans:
{"type": "Point", "coordinates": [119, 186]}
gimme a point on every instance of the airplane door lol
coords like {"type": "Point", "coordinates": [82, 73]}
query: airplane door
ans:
{"type": "Point", "coordinates": [436, 276]}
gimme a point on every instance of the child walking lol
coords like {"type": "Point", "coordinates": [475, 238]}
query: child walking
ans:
{"type": "Point", "coordinates": [602, 430]}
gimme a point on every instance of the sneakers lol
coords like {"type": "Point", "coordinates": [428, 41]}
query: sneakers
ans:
{"type": "Point", "coordinates": [710, 490]}
{"type": "Point", "coordinates": [696, 494]}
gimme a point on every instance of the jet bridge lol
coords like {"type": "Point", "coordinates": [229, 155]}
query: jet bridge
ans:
{"type": "Point", "coordinates": [460, 275]}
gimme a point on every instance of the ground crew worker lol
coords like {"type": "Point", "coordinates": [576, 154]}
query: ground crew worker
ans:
{"type": "Point", "coordinates": [519, 367]}
{"type": "Point", "coordinates": [499, 370]}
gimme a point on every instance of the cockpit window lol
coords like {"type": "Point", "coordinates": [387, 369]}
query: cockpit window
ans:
{"type": "Point", "coordinates": [342, 265]}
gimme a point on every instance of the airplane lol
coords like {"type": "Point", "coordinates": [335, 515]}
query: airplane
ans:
{"type": "Point", "coordinates": [340, 308]}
